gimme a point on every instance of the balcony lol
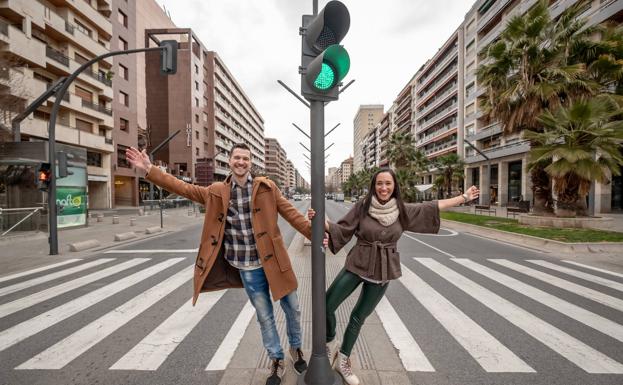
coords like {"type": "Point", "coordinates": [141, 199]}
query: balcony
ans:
{"type": "Point", "coordinates": [98, 76]}
{"type": "Point", "coordinates": [30, 50]}
{"type": "Point", "coordinates": [491, 13]}
{"type": "Point", "coordinates": [56, 55]}
{"type": "Point", "coordinates": [485, 132]}
{"type": "Point", "coordinates": [66, 134]}
{"type": "Point", "coordinates": [92, 14]}
{"type": "Point", "coordinates": [437, 101]}
{"type": "Point", "coordinates": [441, 148]}
{"type": "Point", "coordinates": [491, 35]}
{"type": "Point", "coordinates": [439, 116]}
{"type": "Point", "coordinates": [450, 75]}
{"type": "Point", "coordinates": [451, 56]}
{"type": "Point", "coordinates": [96, 107]}
{"type": "Point", "coordinates": [437, 135]}
{"type": "Point", "coordinates": [4, 28]}
{"type": "Point", "coordinates": [501, 151]}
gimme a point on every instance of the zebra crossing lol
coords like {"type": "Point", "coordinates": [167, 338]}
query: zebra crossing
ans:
{"type": "Point", "coordinates": [20, 293]}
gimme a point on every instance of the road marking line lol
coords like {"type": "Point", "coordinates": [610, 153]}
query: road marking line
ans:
{"type": "Point", "coordinates": [21, 331]}
{"type": "Point", "coordinates": [33, 271]}
{"type": "Point", "coordinates": [574, 288]}
{"type": "Point", "coordinates": [154, 349]}
{"type": "Point", "coordinates": [582, 355]}
{"type": "Point", "coordinates": [579, 274]}
{"type": "Point", "coordinates": [426, 244]}
{"type": "Point", "coordinates": [50, 277]}
{"type": "Point", "coordinates": [412, 357]}
{"type": "Point", "coordinates": [490, 354]}
{"type": "Point", "coordinates": [225, 351]}
{"type": "Point", "coordinates": [594, 268]}
{"type": "Point", "coordinates": [71, 347]}
{"type": "Point", "coordinates": [44, 295]}
{"type": "Point", "coordinates": [155, 251]}
{"type": "Point", "coordinates": [582, 315]}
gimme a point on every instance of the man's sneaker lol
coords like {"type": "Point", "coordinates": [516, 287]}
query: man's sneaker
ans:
{"type": "Point", "coordinates": [332, 349]}
{"type": "Point", "coordinates": [277, 370]}
{"type": "Point", "coordinates": [344, 369]}
{"type": "Point", "coordinates": [298, 361]}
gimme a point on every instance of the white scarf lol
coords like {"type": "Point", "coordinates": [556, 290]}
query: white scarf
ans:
{"type": "Point", "coordinates": [386, 213]}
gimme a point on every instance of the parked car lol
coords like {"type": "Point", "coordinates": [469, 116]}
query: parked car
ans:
{"type": "Point", "coordinates": [174, 201]}
{"type": "Point", "coordinates": [296, 197]}
{"type": "Point", "coordinates": [339, 197]}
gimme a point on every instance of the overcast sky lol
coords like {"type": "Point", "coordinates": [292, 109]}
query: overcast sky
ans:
{"type": "Point", "coordinates": [258, 40]}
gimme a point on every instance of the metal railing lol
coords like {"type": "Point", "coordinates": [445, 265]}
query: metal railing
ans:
{"type": "Point", "coordinates": [4, 28]}
{"type": "Point", "coordinates": [69, 27]}
{"type": "Point", "coordinates": [56, 55]}
{"type": "Point", "coordinates": [32, 211]}
{"type": "Point", "coordinates": [96, 107]}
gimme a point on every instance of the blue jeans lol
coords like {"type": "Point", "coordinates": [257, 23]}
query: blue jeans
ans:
{"type": "Point", "coordinates": [256, 286]}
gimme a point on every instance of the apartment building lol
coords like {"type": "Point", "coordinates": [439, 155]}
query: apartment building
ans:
{"type": "Point", "coordinates": [205, 102]}
{"type": "Point", "coordinates": [291, 177]}
{"type": "Point", "coordinates": [276, 162]}
{"type": "Point", "coordinates": [504, 179]}
{"type": "Point", "coordinates": [42, 41]}
{"type": "Point", "coordinates": [371, 148]}
{"type": "Point", "coordinates": [129, 22]}
{"type": "Point", "coordinates": [366, 118]}
{"type": "Point", "coordinates": [386, 129]}
{"type": "Point", "coordinates": [346, 170]}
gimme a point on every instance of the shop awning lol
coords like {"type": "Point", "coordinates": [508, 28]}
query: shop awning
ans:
{"type": "Point", "coordinates": [423, 187]}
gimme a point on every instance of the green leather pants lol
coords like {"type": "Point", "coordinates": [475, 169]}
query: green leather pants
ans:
{"type": "Point", "coordinates": [343, 286]}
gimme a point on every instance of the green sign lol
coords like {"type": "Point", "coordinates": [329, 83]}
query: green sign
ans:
{"type": "Point", "coordinates": [72, 206]}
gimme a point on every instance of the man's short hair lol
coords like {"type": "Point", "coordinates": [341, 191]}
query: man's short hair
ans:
{"type": "Point", "coordinates": [241, 146]}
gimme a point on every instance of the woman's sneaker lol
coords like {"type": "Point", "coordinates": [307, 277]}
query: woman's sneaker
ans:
{"type": "Point", "coordinates": [344, 369]}
{"type": "Point", "coordinates": [332, 348]}
{"type": "Point", "coordinates": [298, 361]}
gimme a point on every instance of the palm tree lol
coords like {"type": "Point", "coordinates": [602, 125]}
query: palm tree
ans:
{"type": "Point", "coordinates": [580, 143]}
{"type": "Point", "coordinates": [401, 149]}
{"type": "Point", "coordinates": [530, 73]}
{"type": "Point", "coordinates": [451, 167]}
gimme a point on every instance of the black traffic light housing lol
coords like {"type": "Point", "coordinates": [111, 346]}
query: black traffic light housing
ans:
{"type": "Point", "coordinates": [63, 168]}
{"type": "Point", "coordinates": [42, 176]}
{"type": "Point", "coordinates": [324, 63]}
{"type": "Point", "coordinates": [168, 57]}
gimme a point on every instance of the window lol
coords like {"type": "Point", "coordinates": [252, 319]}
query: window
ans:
{"type": "Point", "coordinates": [470, 48]}
{"type": "Point", "coordinates": [470, 68]}
{"type": "Point", "coordinates": [83, 28]}
{"type": "Point", "coordinates": [85, 95]}
{"type": "Point", "coordinates": [469, 109]}
{"type": "Point", "coordinates": [121, 159]}
{"type": "Point", "coordinates": [196, 134]}
{"type": "Point", "coordinates": [122, 18]}
{"type": "Point", "coordinates": [41, 77]}
{"type": "Point", "coordinates": [123, 45]}
{"type": "Point", "coordinates": [197, 151]}
{"type": "Point", "coordinates": [94, 159]}
{"type": "Point", "coordinates": [124, 124]}
{"type": "Point", "coordinates": [205, 117]}
{"type": "Point", "coordinates": [196, 69]}
{"type": "Point", "coordinates": [196, 118]}
{"type": "Point", "coordinates": [84, 125]}
{"type": "Point", "coordinates": [469, 90]}
{"type": "Point", "coordinates": [196, 102]}
{"type": "Point", "coordinates": [197, 86]}
{"type": "Point", "coordinates": [123, 72]}
{"type": "Point", "coordinates": [124, 99]}
{"type": "Point", "coordinates": [80, 59]}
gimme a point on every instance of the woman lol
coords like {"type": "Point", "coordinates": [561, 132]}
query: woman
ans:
{"type": "Point", "coordinates": [377, 222]}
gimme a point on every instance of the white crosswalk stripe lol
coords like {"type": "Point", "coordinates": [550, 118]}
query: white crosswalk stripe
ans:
{"type": "Point", "coordinates": [37, 270]}
{"type": "Point", "coordinates": [50, 277]}
{"type": "Point", "coordinates": [154, 349]}
{"type": "Point", "coordinates": [585, 357]}
{"type": "Point", "coordinates": [588, 318]}
{"type": "Point", "coordinates": [65, 351]}
{"type": "Point", "coordinates": [594, 268]}
{"type": "Point", "coordinates": [44, 295]}
{"type": "Point", "coordinates": [21, 331]}
{"type": "Point", "coordinates": [580, 290]}
{"type": "Point", "coordinates": [580, 274]}
{"type": "Point", "coordinates": [486, 349]}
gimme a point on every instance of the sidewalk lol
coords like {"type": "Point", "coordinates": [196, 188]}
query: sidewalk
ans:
{"type": "Point", "coordinates": [374, 358]}
{"type": "Point", "coordinates": [31, 249]}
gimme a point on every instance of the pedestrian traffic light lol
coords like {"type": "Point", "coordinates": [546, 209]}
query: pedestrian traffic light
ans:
{"type": "Point", "coordinates": [324, 63]}
{"type": "Point", "coordinates": [42, 176]}
{"type": "Point", "coordinates": [63, 169]}
{"type": "Point", "coordinates": [168, 57]}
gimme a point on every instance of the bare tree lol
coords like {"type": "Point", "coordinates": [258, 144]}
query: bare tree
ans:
{"type": "Point", "coordinates": [13, 93]}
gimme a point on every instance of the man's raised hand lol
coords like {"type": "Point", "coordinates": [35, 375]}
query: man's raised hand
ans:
{"type": "Point", "coordinates": [138, 159]}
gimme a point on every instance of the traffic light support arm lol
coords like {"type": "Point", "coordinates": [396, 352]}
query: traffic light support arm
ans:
{"type": "Point", "coordinates": [308, 150]}
{"type": "Point", "coordinates": [293, 93]}
{"type": "Point", "coordinates": [299, 128]}
{"type": "Point", "coordinates": [53, 228]}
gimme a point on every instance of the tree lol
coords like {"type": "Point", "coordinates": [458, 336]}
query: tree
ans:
{"type": "Point", "coordinates": [580, 143]}
{"type": "Point", "coordinates": [451, 168]}
{"type": "Point", "coordinates": [530, 72]}
{"type": "Point", "coordinates": [401, 150]}
{"type": "Point", "coordinates": [13, 94]}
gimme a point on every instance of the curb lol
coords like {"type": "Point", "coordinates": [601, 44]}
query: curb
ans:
{"type": "Point", "coordinates": [541, 244]}
{"type": "Point", "coordinates": [83, 245]}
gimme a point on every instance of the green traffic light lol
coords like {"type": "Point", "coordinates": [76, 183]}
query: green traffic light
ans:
{"type": "Point", "coordinates": [326, 78]}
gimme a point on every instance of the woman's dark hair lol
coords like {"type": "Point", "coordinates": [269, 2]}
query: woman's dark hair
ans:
{"type": "Point", "coordinates": [367, 201]}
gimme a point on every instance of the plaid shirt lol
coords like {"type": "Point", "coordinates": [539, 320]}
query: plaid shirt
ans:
{"type": "Point", "coordinates": [239, 242]}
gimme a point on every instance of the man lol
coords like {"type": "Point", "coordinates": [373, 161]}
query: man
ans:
{"type": "Point", "coordinates": [241, 246]}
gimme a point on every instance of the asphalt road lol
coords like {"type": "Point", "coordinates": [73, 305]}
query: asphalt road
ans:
{"type": "Point", "coordinates": [467, 311]}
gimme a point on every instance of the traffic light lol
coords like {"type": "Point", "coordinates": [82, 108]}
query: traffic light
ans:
{"type": "Point", "coordinates": [63, 169]}
{"type": "Point", "coordinates": [168, 57]}
{"type": "Point", "coordinates": [324, 63]}
{"type": "Point", "coordinates": [42, 176]}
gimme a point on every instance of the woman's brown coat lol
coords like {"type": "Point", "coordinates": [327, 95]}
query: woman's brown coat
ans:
{"type": "Point", "coordinates": [212, 271]}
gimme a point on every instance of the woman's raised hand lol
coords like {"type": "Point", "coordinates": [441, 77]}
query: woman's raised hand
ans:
{"type": "Point", "coordinates": [472, 193]}
{"type": "Point", "coordinates": [310, 213]}
{"type": "Point", "coordinates": [138, 159]}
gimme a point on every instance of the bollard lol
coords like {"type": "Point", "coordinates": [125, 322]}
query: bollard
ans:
{"type": "Point", "coordinates": [190, 213]}
{"type": "Point", "coordinates": [100, 217]}
{"type": "Point", "coordinates": [115, 220]}
{"type": "Point", "coordinates": [141, 211]}
{"type": "Point", "coordinates": [132, 221]}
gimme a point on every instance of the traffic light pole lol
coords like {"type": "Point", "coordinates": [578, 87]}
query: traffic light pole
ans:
{"type": "Point", "coordinates": [52, 209]}
{"type": "Point", "coordinates": [319, 371]}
